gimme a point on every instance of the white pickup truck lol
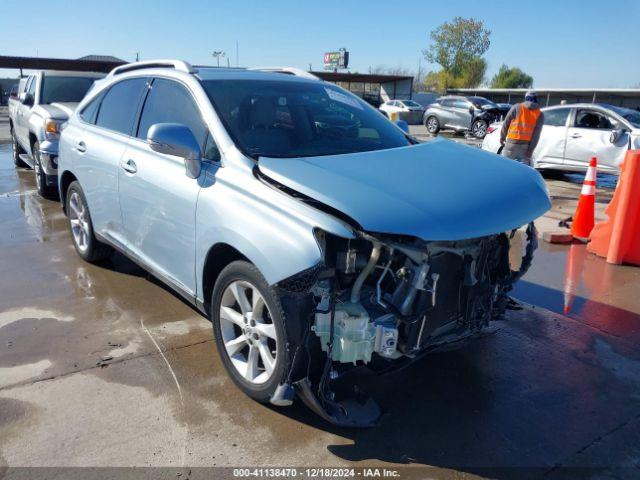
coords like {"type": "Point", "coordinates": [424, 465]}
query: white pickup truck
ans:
{"type": "Point", "coordinates": [45, 101]}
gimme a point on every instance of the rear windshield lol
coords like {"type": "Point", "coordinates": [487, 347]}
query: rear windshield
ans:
{"type": "Point", "coordinates": [275, 118]}
{"type": "Point", "coordinates": [64, 89]}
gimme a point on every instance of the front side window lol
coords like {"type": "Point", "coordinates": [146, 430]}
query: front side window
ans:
{"type": "Point", "coordinates": [278, 118]}
{"type": "Point", "coordinates": [65, 89]}
{"type": "Point", "coordinates": [410, 103]}
{"type": "Point", "coordinates": [31, 86]}
{"type": "Point", "coordinates": [120, 105]}
{"type": "Point", "coordinates": [171, 102]}
{"type": "Point", "coordinates": [556, 117]}
{"type": "Point", "coordinates": [462, 104]}
{"type": "Point", "coordinates": [592, 119]}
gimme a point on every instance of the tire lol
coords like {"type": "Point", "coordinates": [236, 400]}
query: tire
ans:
{"type": "Point", "coordinates": [479, 128]}
{"type": "Point", "coordinates": [86, 244]}
{"type": "Point", "coordinates": [240, 337]}
{"type": "Point", "coordinates": [433, 125]}
{"type": "Point", "coordinates": [16, 151]}
{"type": "Point", "coordinates": [44, 190]}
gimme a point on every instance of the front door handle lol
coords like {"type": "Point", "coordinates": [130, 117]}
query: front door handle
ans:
{"type": "Point", "coordinates": [129, 166]}
{"type": "Point", "coordinates": [81, 146]}
{"type": "Point", "coordinates": [576, 135]}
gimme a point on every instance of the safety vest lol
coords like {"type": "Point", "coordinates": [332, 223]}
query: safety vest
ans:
{"type": "Point", "coordinates": [522, 127]}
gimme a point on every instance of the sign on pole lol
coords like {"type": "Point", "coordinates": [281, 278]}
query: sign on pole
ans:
{"type": "Point", "coordinates": [335, 60]}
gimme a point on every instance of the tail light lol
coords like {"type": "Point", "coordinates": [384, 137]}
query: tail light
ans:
{"type": "Point", "coordinates": [491, 129]}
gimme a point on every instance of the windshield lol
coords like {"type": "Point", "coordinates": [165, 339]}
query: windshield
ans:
{"type": "Point", "coordinates": [481, 101]}
{"type": "Point", "coordinates": [631, 116]}
{"type": "Point", "coordinates": [276, 118]}
{"type": "Point", "coordinates": [411, 103]}
{"type": "Point", "coordinates": [64, 89]}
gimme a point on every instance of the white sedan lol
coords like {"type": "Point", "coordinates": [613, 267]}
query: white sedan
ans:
{"type": "Point", "coordinates": [572, 134]}
{"type": "Point", "coordinates": [410, 111]}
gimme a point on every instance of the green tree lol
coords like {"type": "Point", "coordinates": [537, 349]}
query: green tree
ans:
{"type": "Point", "coordinates": [458, 46]}
{"type": "Point", "coordinates": [511, 78]}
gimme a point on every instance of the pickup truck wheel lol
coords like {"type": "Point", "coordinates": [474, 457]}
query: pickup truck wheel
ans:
{"type": "Point", "coordinates": [16, 151]}
{"type": "Point", "coordinates": [44, 190]}
{"type": "Point", "coordinates": [249, 328]}
{"type": "Point", "coordinates": [84, 241]}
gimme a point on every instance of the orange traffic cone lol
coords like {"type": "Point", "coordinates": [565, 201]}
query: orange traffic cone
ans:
{"type": "Point", "coordinates": [616, 238]}
{"type": "Point", "coordinates": [584, 219]}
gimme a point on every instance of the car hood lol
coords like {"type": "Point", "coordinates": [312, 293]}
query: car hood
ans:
{"type": "Point", "coordinates": [439, 190]}
{"type": "Point", "coordinates": [60, 111]}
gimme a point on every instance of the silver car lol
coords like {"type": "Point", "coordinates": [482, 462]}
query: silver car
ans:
{"type": "Point", "coordinates": [572, 134]}
{"type": "Point", "coordinates": [314, 233]}
{"type": "Point", "coordinates": [461, 114]}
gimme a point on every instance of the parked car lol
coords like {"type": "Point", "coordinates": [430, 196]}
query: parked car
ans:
{"type": "Point", "coordinates": [408, 110]}
{"type": "Point", "coordinates": [314, 233]}
{"type": "Point", "coordinates": [572, 134]}
{"type": "Point", "coordinates": [461, 114]}
{"type": "Point", "coordinates": [44, 102]}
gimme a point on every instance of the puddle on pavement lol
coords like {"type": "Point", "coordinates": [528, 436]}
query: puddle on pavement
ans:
{"type": "Point", "coordinates": [573, 282]}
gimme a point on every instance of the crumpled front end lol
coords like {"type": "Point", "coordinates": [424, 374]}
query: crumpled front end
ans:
{"type": "Point", "coordinates": [384, 300]}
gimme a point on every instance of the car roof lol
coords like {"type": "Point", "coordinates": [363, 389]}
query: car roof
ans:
{"type": "Point", "coordinates": [215, 73]}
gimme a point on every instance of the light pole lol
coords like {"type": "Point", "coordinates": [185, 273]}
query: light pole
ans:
{"type": "Point", "coordinates": [217, 54]}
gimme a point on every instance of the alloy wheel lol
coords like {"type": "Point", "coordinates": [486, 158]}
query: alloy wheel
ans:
{"type": "Point", "coordinates": [479, 129]}
{"type": "Point", "coordinates": [248, 333]}
{"type": "Point", "coordinates": [78, 220]}
{"type": "Point", "coordinates": [432, 125]}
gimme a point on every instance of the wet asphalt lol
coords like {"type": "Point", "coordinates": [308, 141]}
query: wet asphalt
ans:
{"type": "Point", "coordinates": [101, 366]}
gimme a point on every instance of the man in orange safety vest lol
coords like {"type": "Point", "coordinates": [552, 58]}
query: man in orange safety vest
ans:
{"type": "Point", "coordinates": [521, 129]}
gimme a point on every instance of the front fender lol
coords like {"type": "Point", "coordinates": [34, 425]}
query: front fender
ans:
{"type": "Point", "coordinates": [274, 231]}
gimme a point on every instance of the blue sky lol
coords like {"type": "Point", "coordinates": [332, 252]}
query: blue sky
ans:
{"type": "Point", "coordinates": [561, 43]}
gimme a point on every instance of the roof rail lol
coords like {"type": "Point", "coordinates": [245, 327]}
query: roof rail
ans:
{"type": "Point", "coordinates": [298, 72]}
{"type": "Point", "coordinates": [179, 65]}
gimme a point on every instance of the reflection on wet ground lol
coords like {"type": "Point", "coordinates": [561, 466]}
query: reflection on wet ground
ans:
{"type": "Point", "coordinates": [574, 282]}
{"type": "Point", "coordinates": [119, 371]}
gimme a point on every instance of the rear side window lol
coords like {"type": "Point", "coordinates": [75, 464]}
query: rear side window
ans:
{"type": "Point", "coordinates": [90, 111]}
{"type": "Point", "coordinates": [556, 117]}
{"type": "Point", "coordinates": [120, 105]}
{"type": "Point", "coordinates": [171, 102]}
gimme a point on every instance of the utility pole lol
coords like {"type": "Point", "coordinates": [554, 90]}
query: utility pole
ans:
{"type": "Point", "coordinates": [137, 56]}
{"type": "Point", "coordinates": [217, 54]}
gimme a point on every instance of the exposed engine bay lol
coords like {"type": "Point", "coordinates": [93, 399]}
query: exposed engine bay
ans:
{"type": "Point", "coordinates": [394, 298]}
{"type": "Point", "coordinates": [382, 301]}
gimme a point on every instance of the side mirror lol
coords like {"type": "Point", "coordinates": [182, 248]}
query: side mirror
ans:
{"type": "Point", "coordinates": [402, 125]}
{"type": "Point", "coordinates": [616, 135]}
{"type": "Point", "coordinates": [471, 109]}
{"type": "Point", "coordinates": [26, 99]}
{"type": "Point", "coordinates": [177, 140]}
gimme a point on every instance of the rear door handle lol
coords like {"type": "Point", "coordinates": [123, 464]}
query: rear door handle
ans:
{"type": "Point", "coordinates": [129, 166]}
{"type": "Point", "coordinates": [576, 135]}
{"type": "Point", "coordinates": [81, 147]}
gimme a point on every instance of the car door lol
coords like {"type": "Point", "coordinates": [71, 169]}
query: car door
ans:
{"type": "Point", "coordinates": [157, 199]}
{"type": "Point", "coordinates": [445, 112]}
{"type": "Point", "coordinates": [109, 122]}
{"type": "Point", "coordinates": [553, 137]}
{"type": "Point", "coordinates": [22, 114]}
{"type": "Point", "coordinates": [461, 115]}
{"type": "Point", "coordinates": [590, 136]}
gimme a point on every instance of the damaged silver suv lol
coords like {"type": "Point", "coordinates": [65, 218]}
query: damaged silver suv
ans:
{"type": "Point", "coordinates": [315, 234]}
